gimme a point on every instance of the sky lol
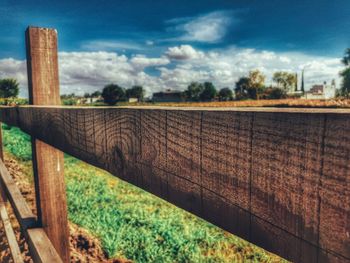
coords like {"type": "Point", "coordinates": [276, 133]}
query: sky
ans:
{"type": "Point", "coordinates": [168, 44]}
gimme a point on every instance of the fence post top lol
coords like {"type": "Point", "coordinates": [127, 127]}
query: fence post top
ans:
{"type": "Point", "coordinates": [41, 28]}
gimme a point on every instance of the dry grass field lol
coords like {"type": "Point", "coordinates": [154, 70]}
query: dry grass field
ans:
{"type": "Point", "coordinates": [297, 103]}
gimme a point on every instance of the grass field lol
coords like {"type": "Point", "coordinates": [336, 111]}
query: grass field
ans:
{"type": "Point", "coordinates": [298, 103]}
{"type": "Point", "coordinates": [133, 224]}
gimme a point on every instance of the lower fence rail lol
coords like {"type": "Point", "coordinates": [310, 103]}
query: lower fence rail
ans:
{"type": "Point", "coordinates": [10, 234]}
{"type": "Point", "coordinates": [40, 246]}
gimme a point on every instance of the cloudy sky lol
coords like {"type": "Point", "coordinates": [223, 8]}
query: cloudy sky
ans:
{"type": "Point", "coordinates": [164, 44]}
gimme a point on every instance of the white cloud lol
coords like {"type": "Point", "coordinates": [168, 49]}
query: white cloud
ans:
{"type": "Point", "coordinates": [12, 68]}
{"type": "Point", "coordinates": [209, 28]}
{"type": "Point", "coordinates": [224, 67]}
{"type": "Point", "coordinates": [184, 52]}
{"type": "Point", "coordinates": [89, 71]}
{"type": "Point", "coordinates": [107, 45]}
{"type": "Point", "coordinates": [141, 61]}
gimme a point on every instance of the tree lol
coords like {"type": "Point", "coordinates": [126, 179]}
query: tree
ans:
{"type": "Point", "coordinates": [135, 92]}
{"type": "Point", "coordinates": [193, 91]}
{"type": "Point", "coordinates": [250, 87]}
{"type": "Point", "coordinates": [112, 93]}
{"type": "Point", "coordinates": [242, 86]}
{"type": "Point", "coordinates": [256, 84]}
{"type": "Point", "coordinates": [9, 88]}
{"type": "Point", "coordinates": [87, 95]}
{"type": "Point", "coordinates": [225, 94]}
{"type": "Point", "coordinates": [256, 79]}
{"type": "Point", "coordinates": [209, 92]}
{"type": "Point", "coordinates": [346, 58]}
{"type": "Point", "coordinates": [345, 74]}
{"type": "Point", "coordinates": [275, 93]}
{"type": "Point", "coordinates": [345, 86]}
{"type": "Point", "coordinates": [284, 80]}
{"type": "Point", "coordinates": [96, 94]}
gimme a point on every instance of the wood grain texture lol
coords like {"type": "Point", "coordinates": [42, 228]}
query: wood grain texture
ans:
{"type": "Point", "coordinates": [334, 188]}
{"type": "Point", "coordinates": [10, 235]}
{"type": "Point", "coordinates": [280, 180]}
{"type": "Point", "coordinates": [1, 146]}
{"type": "Point", "coordinates": [41, 248]}
{"type": "Point", "coordinates": [286, 167]}
{"type": "Point", "coordinates": [43, 84]}
{"type": "Point", "coordinates": [226, 158]}
{"type": "Point", "coordinates": [2, 190]}
{"type": "Point", "coordinates": [24, 214]}
{"type": "Point", "coordinates": [42, 66]}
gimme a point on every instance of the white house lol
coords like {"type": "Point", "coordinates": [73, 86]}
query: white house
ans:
{"type": "Point", "coordinates": [322, 91]}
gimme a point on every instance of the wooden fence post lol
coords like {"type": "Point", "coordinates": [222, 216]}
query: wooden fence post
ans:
{"type": "Point", "coordinates": [43, 84]}
{"type": "Point", "coordinates": [1, 146]}
{"type": "Point", "coordinates": [2, 191]}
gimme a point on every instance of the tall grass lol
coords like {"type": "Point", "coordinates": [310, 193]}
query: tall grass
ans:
{"type": "Point", "coordinates": [136, 225]}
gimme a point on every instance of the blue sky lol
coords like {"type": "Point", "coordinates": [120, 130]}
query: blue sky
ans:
{"type": "Point", "coordinates": [166, 44]}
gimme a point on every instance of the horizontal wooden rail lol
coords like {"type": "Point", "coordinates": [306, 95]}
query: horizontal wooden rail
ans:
{"type": "Point", "coordinates": [279, 178]}
{"type": "Point", "coordinates": [41, 248]}
{"type": "Point", "coordinates": [24, 214]}
{"type": "Point", "coordinates": [10, 235]}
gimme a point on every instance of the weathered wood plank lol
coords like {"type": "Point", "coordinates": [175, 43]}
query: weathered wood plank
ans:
{"type": "Point", "coordinates": [41, 248]}
{"type": "Point", "coordinates": [226, 158]}
{"type": "Point", "coordinates": [276, 179]}
{"type": "Point", "coordinates": [334, 188]}
{"type": "Point", "coordinates": [183, 159]}
{"type": "Point", "coordinates": [2, 190]}
{"type": "Point", "coordinates": [1, 146]}
{"type": "Point", "coordinates": [39, 244]}
{"type": "Point", "coordinates": [24, 215]}
{"type": "Point", "coordinates": [10, 235]}
{"type": "Point", "coordinates": [152, 157]}
{"type": "Point", "coordinates": [286, 167]}
{"type": "Point", "coordinates": [43, 84]}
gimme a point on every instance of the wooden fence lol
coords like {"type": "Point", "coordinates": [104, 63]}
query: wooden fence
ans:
{"type": "Point", "coordinates": [279, 178]}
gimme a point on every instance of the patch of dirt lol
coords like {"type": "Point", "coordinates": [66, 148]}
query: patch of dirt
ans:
{"type": "Point", "coordinates": [83, 246]}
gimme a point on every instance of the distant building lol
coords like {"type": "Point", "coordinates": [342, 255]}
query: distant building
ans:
{"type": "Point", "coordinates": [317, 92]}
{"type": "Point", "coordinates": [92, 100]}
{"type": "Point", "coordinates": [322, 91]}
{"type": "Point", "coordinates": [317, 89]}
{"type": "Point", "coordinates": [168, 96]}
{"type": "Point", "coordinates": [133, 100]}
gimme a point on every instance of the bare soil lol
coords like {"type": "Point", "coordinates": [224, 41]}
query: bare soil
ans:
{"type": "Point", "coordinates": [84, 247]}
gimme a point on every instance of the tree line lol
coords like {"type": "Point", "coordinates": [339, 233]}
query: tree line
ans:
{"type": "Point", "coordinates": [345, 74]}
{"type": "Point", "coordinates": [251, 86]}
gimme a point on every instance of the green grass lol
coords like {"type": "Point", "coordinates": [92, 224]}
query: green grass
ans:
{"type": "Point", "coordinates": [17, 143]}
{"type": "Point", "coordinates": [133, 224]}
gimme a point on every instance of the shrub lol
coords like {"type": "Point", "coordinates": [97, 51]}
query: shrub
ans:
{"type": "Point", "coordinates": [112, 93]}
{"type": "Point", "coordinates": [70, 101]}
{"type": "Point", "coordinates": [225, 94]}
{"type": "Point", "coordinates": [13, 101]}
{"type": "Point", "coordinates": [9, 88]}
{"type": "Point", "coordinates": [209, 92]}
{"type": "Point", "coordinates": [275, 94]}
